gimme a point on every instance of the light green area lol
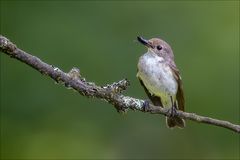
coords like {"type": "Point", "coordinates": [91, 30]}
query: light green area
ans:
{"type": "Point", "coordinates": [40, 119]}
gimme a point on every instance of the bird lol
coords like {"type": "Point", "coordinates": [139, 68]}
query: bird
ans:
{"type": "Point", "coordinates": [160, 78]}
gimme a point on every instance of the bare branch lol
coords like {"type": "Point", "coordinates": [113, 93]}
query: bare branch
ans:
{"type": "Point", "coordinates": [110, 93]}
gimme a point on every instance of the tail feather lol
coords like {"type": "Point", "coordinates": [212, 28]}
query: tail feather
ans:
{"type": "Point", "coordinates": [175, 122]}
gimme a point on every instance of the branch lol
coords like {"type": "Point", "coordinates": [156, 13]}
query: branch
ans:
{"type": "Point", "coordinates": [110, 93]}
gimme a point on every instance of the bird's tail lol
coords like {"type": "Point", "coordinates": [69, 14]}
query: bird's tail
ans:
{"type": "Point", "coordinates": [175, 122]}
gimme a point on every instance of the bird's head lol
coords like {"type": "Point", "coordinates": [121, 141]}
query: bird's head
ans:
{"type": "Point", "coordinates": [157, 46]}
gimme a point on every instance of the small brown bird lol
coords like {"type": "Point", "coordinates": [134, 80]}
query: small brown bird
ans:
{"type": "Point", "coordinates": [160, 78]}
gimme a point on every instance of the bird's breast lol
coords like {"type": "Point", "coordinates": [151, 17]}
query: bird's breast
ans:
{"type": "Point", "coordinates": [156, 75]}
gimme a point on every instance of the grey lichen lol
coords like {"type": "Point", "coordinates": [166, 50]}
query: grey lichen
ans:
{"type": "Point", "coordinates": [133, 103]}
{"type": "Point", "coordinates": [7, 46]}
{"type": "Point", "coordinates": [74, 73]}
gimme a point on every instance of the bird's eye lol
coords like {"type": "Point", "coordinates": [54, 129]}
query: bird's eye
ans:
{"type": "Point", "coordinates": [159, 48]}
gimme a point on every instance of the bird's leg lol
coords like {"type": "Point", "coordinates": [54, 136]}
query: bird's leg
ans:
{"type": "Point", "coordinates": [172, 110]}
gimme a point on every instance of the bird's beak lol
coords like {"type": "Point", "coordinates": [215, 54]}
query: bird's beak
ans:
{"type": "Point", "coordinates": [144, 42]}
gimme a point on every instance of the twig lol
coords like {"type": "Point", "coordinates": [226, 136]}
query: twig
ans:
{"type": "Point", "coordinates": [110, 93]}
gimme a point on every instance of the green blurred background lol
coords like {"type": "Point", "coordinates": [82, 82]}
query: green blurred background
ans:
{"type": "Point", "coordinates": [40, 119]}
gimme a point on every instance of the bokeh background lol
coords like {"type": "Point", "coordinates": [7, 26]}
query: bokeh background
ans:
{"type": "Point", "coordinates": [44, 120]}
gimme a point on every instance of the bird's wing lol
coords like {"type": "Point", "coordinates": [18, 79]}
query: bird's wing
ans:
{"type": "Point", "coordinates": [180, 94]}
{"type": "Point", "coordinates": [155, 100]}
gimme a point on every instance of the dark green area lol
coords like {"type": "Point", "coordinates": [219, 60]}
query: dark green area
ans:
{"type": "Point", "coordinates": [40, 119]}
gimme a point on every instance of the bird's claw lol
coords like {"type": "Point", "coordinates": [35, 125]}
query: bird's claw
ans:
{"type": "Point", "coordinates": [172, 112]}
{"type": "Point", "coordinates": [146, 105]}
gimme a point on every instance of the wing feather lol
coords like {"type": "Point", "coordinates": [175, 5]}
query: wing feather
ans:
{"type": "Point", "coordinates": [180, 94]}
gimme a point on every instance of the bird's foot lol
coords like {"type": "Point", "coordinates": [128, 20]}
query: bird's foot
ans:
{"type": "Point", "coordinates": [146, 105]}
{"type": "Point", "coordinates": [172, 112]}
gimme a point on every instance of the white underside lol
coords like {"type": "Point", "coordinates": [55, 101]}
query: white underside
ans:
{"type": "Point", "coordinates": [157, 77]}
